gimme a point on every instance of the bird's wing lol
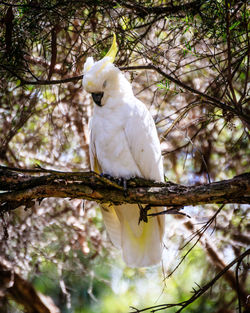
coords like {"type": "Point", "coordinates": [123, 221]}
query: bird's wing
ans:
{"type": "Point", "coordinates": [141, 244]}
{"type": "Point", "coordinates": [94, 164]}
{"type": "Point", "coordinates": [143, 141]}
{"type": "Point", "coordinates": [109, 214]}
{"type": "Point", "coordinates": [144, 145]}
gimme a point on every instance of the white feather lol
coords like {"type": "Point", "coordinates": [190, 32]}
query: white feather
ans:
{"type": "Point", "coordinates": [124, 143]}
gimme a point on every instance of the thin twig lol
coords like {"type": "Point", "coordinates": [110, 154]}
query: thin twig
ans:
{"type": "Point", "coordinates": [238, 285]}
{"type": "Point", "coordinates": [197, 293]}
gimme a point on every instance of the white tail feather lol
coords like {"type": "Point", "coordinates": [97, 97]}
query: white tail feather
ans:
{"type": "Point", "coordinates": [112, 224]}
{"type": "Point", "coordinates": [141, 244]}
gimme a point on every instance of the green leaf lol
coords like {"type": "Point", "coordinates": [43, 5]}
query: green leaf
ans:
{"type": "Point", "coordinates": [234, 25]}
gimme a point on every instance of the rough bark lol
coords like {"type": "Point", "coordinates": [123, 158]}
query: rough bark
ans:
{"type": "Point", "coordinates": [20, 187]}
{"type": "Point", "coordinates": [22, 292]}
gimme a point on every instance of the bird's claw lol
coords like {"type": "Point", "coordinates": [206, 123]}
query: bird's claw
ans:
{"type": "Point", "coordinates": [120, 181]}
{"type": "Point", "coordinates": [107, 176]}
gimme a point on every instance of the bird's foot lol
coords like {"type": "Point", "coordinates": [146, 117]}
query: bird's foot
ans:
{"type": "Point", "coordinates": [109, 177]}
{"type": "Point", "coordinates": [118, 181]}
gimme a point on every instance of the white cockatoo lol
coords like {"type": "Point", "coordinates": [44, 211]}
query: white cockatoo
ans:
{"type": "Point", "coordinates": [124, 143]}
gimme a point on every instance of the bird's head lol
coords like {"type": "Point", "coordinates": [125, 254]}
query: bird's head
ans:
{"type": "Point", "coordinates": [99, 77]}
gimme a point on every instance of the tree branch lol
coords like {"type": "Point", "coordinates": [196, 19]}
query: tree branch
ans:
{"type": "Point", "coordinates": [198, 292]}
{"type": "Point", "coordinates": [22, 292]}
{"type": "Point", "coordinates": [143, 11]}
{"type": "Point", "coordinates": [213, 101]}
{"type": "Point", "coordinates": [20, 188]}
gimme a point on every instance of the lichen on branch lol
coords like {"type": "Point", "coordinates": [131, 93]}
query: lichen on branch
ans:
{"type": "Point", "coordinates": [20, 187]}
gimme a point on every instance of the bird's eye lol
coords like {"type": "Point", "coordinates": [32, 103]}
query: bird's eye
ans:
{"type": "Point", "coordinates": [104, 84]}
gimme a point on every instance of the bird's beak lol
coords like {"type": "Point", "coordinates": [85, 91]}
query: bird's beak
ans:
{"type": "Point", "coordinates": [97, 97]}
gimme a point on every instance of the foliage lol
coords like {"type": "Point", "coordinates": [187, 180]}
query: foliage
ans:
{"type": "Point", "coordinates": [189, 62]}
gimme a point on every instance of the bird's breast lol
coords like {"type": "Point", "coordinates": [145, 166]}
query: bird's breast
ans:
{"type": "Point", "coordinates": [112, 149]}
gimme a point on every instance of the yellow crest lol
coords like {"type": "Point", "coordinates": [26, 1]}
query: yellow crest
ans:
{"type": "Point", "coordinates": [113, 50]}
{"type": "Point", "coordinates": [111, 54]}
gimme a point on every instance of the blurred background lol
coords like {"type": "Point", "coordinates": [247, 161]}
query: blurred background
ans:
{"type": "Point", "coordinates": [200, 106]}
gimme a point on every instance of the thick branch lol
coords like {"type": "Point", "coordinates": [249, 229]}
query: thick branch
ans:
{"type": "Point", "coordinates": [20, 188]}
{"type": "Point", "coordinates": [21, 291]}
